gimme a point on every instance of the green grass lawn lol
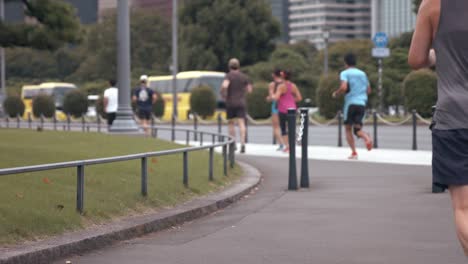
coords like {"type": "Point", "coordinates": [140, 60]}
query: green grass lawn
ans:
{"type": "Point", "coordinates": [40, 204]}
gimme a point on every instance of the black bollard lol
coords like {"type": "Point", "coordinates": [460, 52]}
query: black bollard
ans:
{"type": "Point", "coordinates": [292, 185]}
{"type": "Point", "coordinates": [415, 143]}
{"type": "Point", "coordinates": [340, 129]}
{"type": "Point", "coordinates": [98, 122]}
{"type": "Point", "coordinates": [83, 123]}
{"type": "Point", "coordinates": [54, 119]}
{"type": "Point", "coordinates": [68, 122]}
{"type": "Point", "coordinates": [376, 144]}
{"type": "Point", "coordinates": [18, 120]}
{"type": "Point", "coordinates": [304, 141]}
{"type": "Point", "coordinates": [29, 120]}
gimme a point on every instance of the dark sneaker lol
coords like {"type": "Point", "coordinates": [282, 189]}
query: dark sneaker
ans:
{"type": "Point", "coordinates": [242, 150]}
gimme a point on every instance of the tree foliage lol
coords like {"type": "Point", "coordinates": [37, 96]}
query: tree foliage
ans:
{"type": "Point", "coordinates": [212, 31]}
{"type": "Point", "coordinates": [75, 103]}
{"type": "Point", "coordinates": [203, 101]}
{"type": "Point", "coordinates": [328, 106]}
{"type": "Point", "coordinates": [14, 106]}
{"type": "Point", "coordinates": [420, 90]}
{"type": "Point", "coordinates": [257, 105]}
{"type": "Point", "coordinates": [56, 24]}
{"type": "Point", "coordinates": [416, 4]}
{"type": "Point", "coordinates": [43, 105]}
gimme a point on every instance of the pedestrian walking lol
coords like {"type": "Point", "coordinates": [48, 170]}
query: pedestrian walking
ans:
{"type": "Point", "coordinates": [272, 88]}
{"type": "Point", "coordinates": [443, 25]}
{"type": "Point", "coordinates": [144, 98]}
{"type": "Point", "coordinates": [287, 95]}
{"type": "Point", "coordinates": [234, 89]}
{"type": "Point", "coordinates": [355, 85]}
{"type": "Point", "coordinates": [111, 102]}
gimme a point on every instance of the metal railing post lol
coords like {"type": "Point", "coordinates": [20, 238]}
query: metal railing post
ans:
{"type": "Point", "coordinates": [246, 130]}
{"type": "Point", "coordinates": [144, 176]}
{"type": "Point", "coordinates": [98, 120]}
{"type": "Point", "coordinates": [415, 142]}
{"type": "Point", "coordinates": [219, 123]}
{"type": "Point", "coordinates": [68, 122]}
{"type": "Point", "coordinates": [55, 121]}
{"type": "Point", "coordinates": [18, 125]}
{"type": "Point", "coordinates": [210, 168]}
{"type": "Point", "coordinates": [213, 138]}
{"type": "Point", "coordinates": [232, 151]}
{"type": "Point", "coordinates": [7, 121]}
{"type": "Point", "coordinates": [185, 168]}
{"type": "Point", "coordinates": [187, 138]}
{"type": "Point", "coordinates": [42, 121]}
{"type": "Point", "coordinates": [292, 183]}
{"type": "Point", "coordinates": [83, 123]}
{"type": "Point", "coordinates": [195, 126]}
{"type": "Point", "coordinates": [340, 129]}
{"type": "Point", "coordinates": [305, 157]}
{"type": "Point", "coordinates": [201, 139]}
{"type": "Point", "coordinates": [152, 125]}
{"type": "Point", "coordinates": [80, 189]}
{"type": "Point", "coordinates": [225, 160]}
{"type": "Point", "coordinates": [29, 120]}
{"type": "Point", "coordinates": [376, 141]}
{"type": "Point", "coordinates": [173, 128]}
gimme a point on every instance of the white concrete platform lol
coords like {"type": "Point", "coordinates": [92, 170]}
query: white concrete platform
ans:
{"type": "Point", "coordinates": [388, 156]}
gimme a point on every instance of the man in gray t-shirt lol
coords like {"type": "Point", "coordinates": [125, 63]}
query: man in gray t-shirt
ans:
{"type": "Point", "coordinates": [234, 89]}
{"type": "Point", "coordinates": [443, 26]}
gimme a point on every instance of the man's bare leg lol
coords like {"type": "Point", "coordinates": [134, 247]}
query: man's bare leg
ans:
{"type": "Point", "coordinates": [232, 130]}
{"type": "Point", "coordinates": [459, 196]}
{"type": "Point", "coordinates": [350, 139]}
{"type": "Point", "coordinates": [144, 123]}
{"type": "Point", "coordinates": [276, 129]}
{"type": "Point", "coordinates": [241, 122]}
{"type": "Point", "coordinates": [367, 139]}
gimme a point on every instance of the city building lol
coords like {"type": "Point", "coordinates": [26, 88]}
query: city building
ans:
{"type": "Point", "coordinates": [280, 10]}
{"type": "Point", "coordinates": [393, 17]}
{"type": "Point", "coordinates": [319, 21]}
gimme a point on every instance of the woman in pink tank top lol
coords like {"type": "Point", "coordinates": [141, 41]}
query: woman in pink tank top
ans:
{"type": "Point", "coordinates": [286, 95]}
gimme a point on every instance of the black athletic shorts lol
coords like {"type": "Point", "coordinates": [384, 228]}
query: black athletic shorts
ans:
{"type": "Point", "coordinates": [144, 114]}
{"type": "Point", "coordinates": [110, 118]}
{"type": "Point", "coordinates": [355, 115]}
{"type": "Point", "coordinates": [283, 118]}
{"type": "Point", "coordinates": [450, 157]}
{"type": "Point", "coordinates": [235, 112]}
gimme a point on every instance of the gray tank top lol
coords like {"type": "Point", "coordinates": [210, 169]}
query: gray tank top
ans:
{"type": "Point", "coordinates": [451, 46]}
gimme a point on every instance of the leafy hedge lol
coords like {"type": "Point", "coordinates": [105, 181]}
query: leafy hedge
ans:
{"type": "Point", "coordinates": [159, 105]}
{"type": "Point", "coordinates": [14, 106]}
{"type": "Point", "coordinates": [203, 101]}
{"type": "Point", "coordinates": [43, 105]}
{"type": "Point", "coordinates": [75, 103]}
{"type": "Point", "coordinates": [420, 91]}
{"type": "Point", "coordinates": [328, 106]}
{"type": "Point", "coordinates": [257, 105]}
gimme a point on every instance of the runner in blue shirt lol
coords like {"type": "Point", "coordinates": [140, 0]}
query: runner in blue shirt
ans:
{"type": "Point", "coordinates": [355, 85]}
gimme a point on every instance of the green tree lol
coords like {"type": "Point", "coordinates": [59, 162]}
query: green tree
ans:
{"type": "Point", "coordinates": [75, 103]}
{"type": "Point", "coordinates": [212, 31]}
{"type": "Point", "coordinates": [328, 106]}
{"type": "Point", "coordinates": [150, 49]}
{"type": "Point", "coordinates": [420, 91]}
{"type": "Point", "coordinates": [43, 105]}
{"type": "Point", "coordinates": [203, 101]}
{"type": "Point", "coordinates": [14, 106]}
{"type": "Point", "coordinates": [57, 24]}
{"type": "Point", "coordinates": [257, 105]}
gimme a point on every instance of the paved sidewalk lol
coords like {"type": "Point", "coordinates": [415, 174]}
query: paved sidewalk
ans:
{"type": "Point", "coordinates": [354, 213]}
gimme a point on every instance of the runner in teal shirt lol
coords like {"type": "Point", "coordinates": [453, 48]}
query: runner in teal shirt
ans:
{"type": "Point", "coordinates": [355, 85]}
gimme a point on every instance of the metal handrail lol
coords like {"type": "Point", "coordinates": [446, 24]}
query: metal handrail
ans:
{"type": "Point", "coordinates": [80, 164]}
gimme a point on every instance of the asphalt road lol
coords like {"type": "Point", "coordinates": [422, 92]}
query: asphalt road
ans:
{"type": "Point", "coordinates": [354, 213]}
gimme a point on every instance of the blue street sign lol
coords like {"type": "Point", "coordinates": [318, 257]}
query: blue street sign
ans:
{"type": "Point", "coordinates": [380, 40]}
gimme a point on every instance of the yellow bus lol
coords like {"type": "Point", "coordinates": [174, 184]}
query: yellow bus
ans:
{"type": "Point", "coordinates": [186, 81]}
{"type": "Point", "coordinates": [57, 90]}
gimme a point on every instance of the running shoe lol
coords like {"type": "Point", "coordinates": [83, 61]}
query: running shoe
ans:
{"type": "Point", "coordinates": [242, 150]}
{"type": "Point", "coordinates": [286, 150]}
{"type": "Point", "coordinates": [369, 145]}
{"type": "Point", "coordinates": [280, 148]}
{"type": "Point", "coordinates": [354, 156]}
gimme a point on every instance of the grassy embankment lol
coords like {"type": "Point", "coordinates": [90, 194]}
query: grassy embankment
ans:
{"type": "Point", "coordinates": [35, 205]}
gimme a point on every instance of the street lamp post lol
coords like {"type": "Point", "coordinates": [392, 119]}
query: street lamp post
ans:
{"type": "Point", "coordinates": [174, 59]}
{"type": "Point", "coordinates": [326, 36]}
{"type": "Point", "coordinates": [124, 122]}
{"type": "Point", "coordinates": [2, 62]}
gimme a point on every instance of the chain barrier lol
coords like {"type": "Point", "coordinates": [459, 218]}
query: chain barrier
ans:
{"type": "Point", "coordinates": [300, 132]}
{"type": "Point", "coordinates": [380, 118]}
{"type": "Point", "coordinates": [422, 119]}
{"type": "Point", "coordinates": [328, 123]}
{"type": "Point", "coordinates": [259, 123]}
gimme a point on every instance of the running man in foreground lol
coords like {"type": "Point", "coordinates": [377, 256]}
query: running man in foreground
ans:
{"type": "Point", "coordinates": [443, 26]}
{"type": "Point", "coordinates": [355, 85]}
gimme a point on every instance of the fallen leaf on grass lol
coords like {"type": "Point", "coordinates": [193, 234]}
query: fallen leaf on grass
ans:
{"type": "Point", "coordinates": [20, 195]}
{"type": "Point", "coordinates": [60, 206]}
{"type": "Point", "coordinates": [46, 180]}
{"type": "Point", "coordinates": [154, 160]}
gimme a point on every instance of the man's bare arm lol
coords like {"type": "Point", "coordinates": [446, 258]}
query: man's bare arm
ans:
{"type": "Point", "coordinates": [341, 90]}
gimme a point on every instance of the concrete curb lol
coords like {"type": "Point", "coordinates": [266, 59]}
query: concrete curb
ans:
{"type": "Point", "coordinates": [83, 241]}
